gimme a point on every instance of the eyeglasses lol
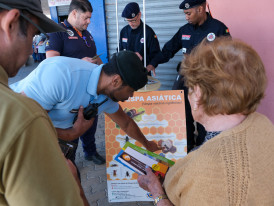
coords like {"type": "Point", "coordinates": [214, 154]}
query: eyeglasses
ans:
{"type": "Point", "coordinates": [131, 20]}
{"type": "Point", "coordinates": [26, 18]}
{"type": "Point", "coordinates": [86, 42]}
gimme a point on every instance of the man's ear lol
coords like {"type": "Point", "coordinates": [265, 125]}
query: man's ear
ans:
{"type": "Point", "coordinates": [9, 23]}
{"type": "Point", "coordinates": [116, 81]}
{"type": "Point", "coordinates": [200, 9]}
{"type": "Point", "coordinates": [74, 13]}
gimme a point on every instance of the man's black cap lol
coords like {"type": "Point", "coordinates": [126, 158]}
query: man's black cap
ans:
{"type": "Point", "coordinates": [131, 69]}
{"type": "Point", "coordinates": [187, 4]}
{"type": "Point", "coordinates": [45, 24]}
{"type": "Point", "coordinates": [131, 10]}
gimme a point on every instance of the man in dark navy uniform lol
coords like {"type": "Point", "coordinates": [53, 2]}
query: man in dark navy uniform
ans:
{"type": "Point", "coordinates": [200, 25]}
{"type": "Point", "coordinates": [132, 35]}
{"type": "Point", "coordinates": [77, 42]}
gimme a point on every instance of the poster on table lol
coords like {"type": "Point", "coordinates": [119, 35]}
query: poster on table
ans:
{"type": "Point", "coordinates": [161, 117]}
{"type": "Point", "coordinates": [58, 2]}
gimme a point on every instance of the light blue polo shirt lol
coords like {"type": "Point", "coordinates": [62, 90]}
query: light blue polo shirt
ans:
{"type": "Point", "coordinates": [60, 84]}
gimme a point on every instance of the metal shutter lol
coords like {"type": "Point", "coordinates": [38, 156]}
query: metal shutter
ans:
{"type": "Point", "coordinates": [164, 17]}
{"type": "Point", "coordinates": [62, 10]}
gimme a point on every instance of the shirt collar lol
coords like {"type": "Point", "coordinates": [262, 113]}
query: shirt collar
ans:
{"type": "Point", "coordinates": [93, 81]}
{"type": "Point", "coordinates": [4, 78]}
{"type": "Point", "coordinates": [67, 24]}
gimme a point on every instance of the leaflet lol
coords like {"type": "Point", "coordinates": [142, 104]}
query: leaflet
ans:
{"type": "Point", "coordinates": [138, 159]}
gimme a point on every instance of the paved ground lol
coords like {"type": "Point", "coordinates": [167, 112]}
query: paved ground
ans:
{"type": "Point", "coordinates": [94, 179]}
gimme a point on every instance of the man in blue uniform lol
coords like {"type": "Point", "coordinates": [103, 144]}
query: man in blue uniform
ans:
{"type": "Point", "coordinates": [62, 85]}
{"type": "Point", "coordinates": [77, 42]}
{"type": "Point", "coordinates": [200, 25]}
{"type": "Point", "coordinates": [132, 35]}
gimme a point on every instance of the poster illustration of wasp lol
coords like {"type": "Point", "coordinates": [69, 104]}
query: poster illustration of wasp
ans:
{"type": "Point", "coordinates": [161, 117]}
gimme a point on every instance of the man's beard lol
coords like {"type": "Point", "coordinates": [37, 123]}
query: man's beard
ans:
{"type": "Point", "coordinates": [111, 95]}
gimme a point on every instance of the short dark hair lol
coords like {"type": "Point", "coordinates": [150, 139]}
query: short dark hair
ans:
{"type": "Point", "coordinates": [82, 5]}
{"type": "Point", "coordinates": [23, 23]}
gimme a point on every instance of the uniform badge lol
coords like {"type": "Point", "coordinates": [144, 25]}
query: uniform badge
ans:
{"type": "Point", "coordinates": [187, 5]}
{"type": "Point", "coordinates": [133, 15]}
{"type": "Point", "coordinates": [142, 40]}
{"type": "Point", "coordinates": [186, 37]}
{"type": "Point", "coordinates": [47, 43]}
{"type": "Point", "coordinates": [124, 40]}
{"type": "Point", "coordinates": [211, 37]}
{"type": "Point", "coordinates": [71, 33]}
{"type": "Point", "coordinates": [155, 36]}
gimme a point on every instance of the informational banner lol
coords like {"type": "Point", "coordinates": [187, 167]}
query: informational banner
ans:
{"type": "Point", "coordinates": [58, 2]}
{"type": "Point", "coordinates": [161, 117]}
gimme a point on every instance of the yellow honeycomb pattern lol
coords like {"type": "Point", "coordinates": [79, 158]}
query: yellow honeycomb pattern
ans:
{"type": "Point", "coordinates": [174, 115]}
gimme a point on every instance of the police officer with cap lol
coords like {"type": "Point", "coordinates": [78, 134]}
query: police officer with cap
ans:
{"type": "Point", "coordinates": [200, 25]}
{"type": "Point", "coordinates": [132, 35]}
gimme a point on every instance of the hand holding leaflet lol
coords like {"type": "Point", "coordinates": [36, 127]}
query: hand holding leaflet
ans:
{"type": "Point", "coordinates": [138, 159]}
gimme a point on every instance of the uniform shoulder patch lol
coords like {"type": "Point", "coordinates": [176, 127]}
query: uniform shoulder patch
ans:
{"type": "Point", "coordinates": [211, 37]}
{"type": "Point", "coordinates": [71, 33]}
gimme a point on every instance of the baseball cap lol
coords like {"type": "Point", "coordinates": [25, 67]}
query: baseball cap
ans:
{"type": "Point", "coordinates": [187, 4]}
{"type": "Point", "coordinates": [45, 24]}
{"type": "Point", "coordinates": [131, 10]}
{"type": "Point", "coordinates": [131, 69]}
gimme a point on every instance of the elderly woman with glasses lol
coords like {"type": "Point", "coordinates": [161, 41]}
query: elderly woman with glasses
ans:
{"type": "Point", "coordinates": [235, 165]}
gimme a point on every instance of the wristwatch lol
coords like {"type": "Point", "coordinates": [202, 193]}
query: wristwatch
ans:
{"type": "Point", "coordinates": [159, 198]}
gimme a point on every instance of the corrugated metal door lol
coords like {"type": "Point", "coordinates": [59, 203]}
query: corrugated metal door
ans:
{"type": "Point", "coordinates": [164, 17]}
{"type": "Point", "coordinates": [62, 10]}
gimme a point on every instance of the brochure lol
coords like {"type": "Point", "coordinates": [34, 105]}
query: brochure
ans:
{"type": "Point", "coordinates": [138, 159]}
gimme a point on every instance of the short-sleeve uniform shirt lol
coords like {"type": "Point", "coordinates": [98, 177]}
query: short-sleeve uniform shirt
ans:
{"type": "Point", "coordinates": [62, 84]}
{"type": "Point", "coordinates": [72, 43]}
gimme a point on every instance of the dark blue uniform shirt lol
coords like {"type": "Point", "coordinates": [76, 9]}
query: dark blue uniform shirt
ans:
{"type": "Point", "coordinates": [133, 40]}
{"type": "Point", "coordinates": [189, 36]}
{"type": "Point", "coordinates": [71, 44]}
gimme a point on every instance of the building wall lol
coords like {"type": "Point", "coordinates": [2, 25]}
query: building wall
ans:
{"type": "Point", "coordinates": [45, 7]}
{"type": "Point", "coordinates": [253, 22]}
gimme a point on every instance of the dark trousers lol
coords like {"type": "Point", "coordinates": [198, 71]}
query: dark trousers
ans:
{"type": "Point", "coordinates": [190, 128]}
{"type": "Point", "coordinates": [88, 139]}
{"type": "Point", "coordinates": [88, 143]}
